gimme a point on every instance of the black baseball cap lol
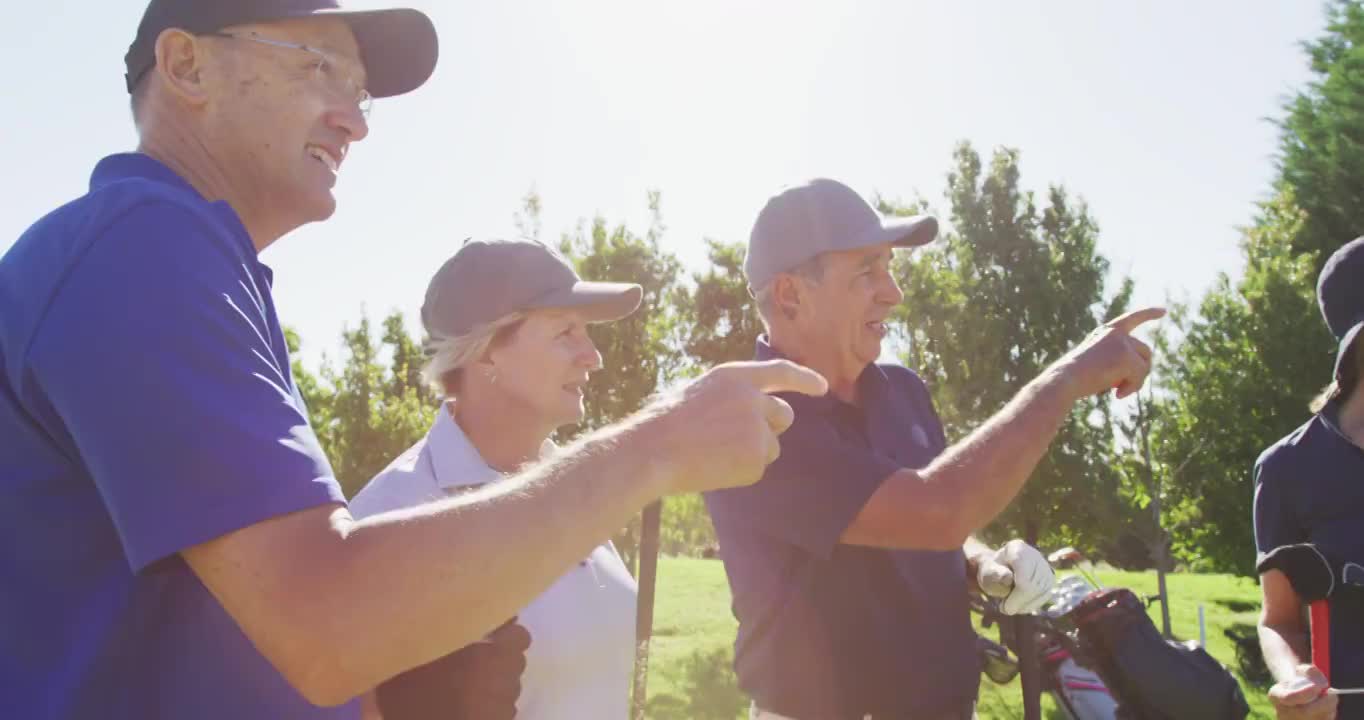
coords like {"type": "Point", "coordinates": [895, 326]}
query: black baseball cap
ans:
{"type": "Point", "coordinates": [489, 279]}
{"type": "Point", "coordinates": [397, 46]}
{"type": "Point", "coordinates": [1340, 293]}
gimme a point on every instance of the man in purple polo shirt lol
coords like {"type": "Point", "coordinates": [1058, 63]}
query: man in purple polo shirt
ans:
{"type": "Point", "coordinates": [851, 560]}
{"type": "Point", "coordinates": [174, 542]}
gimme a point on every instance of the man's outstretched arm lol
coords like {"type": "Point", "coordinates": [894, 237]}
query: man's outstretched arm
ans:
{"type": "Point", "coordinates": [974, 480]}
{"type": "Point", "coordinates": [339, 606]}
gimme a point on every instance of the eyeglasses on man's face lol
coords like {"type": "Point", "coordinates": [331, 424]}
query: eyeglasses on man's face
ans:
{"type": "Point", "coordinates": [326, 70]}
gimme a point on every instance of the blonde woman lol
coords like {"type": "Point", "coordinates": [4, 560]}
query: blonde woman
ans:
{"type": "Point", "coordinates": [511, 356]}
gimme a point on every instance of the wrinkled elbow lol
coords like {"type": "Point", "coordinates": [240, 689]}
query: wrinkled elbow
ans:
{"type": "Point", "coordinates": [941, 519]}
{"type": "Point", "coordinates": [316, 656]}
{"type": "Point", "coordinates": [946, 529]}
{"type": "Point", "coordinates": [900, 520]}
{"type": "Point", "coordinates": [321, 680]}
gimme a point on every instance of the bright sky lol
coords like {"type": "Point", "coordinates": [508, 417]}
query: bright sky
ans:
{"type": "Point", "coordinates": [1154, 112]}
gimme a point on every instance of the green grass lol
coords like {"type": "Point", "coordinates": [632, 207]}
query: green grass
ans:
{"type": "Point", "coordinates": [689, 668]}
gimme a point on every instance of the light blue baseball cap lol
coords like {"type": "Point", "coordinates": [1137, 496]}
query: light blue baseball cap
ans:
{"type": "Point", "coordinates": [820, 216]}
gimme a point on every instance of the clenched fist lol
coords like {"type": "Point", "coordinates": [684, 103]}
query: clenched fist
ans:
{"type": "Point", "coordinates": [480, 681]}
{"type": "Point", "coordinates": [721, 430]}
{"type": "Point", "coordinates": [1019, 574]}
{"type": "Point", "coordinates": [1305, 697]}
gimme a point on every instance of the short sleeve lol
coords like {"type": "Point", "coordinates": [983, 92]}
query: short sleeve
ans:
{"type": "Point", "coordinates": [1274, 519]}
{"type": "Point", "coordinates": [814, 490]}
{"type": "Point", "coordinates": [157, 357]}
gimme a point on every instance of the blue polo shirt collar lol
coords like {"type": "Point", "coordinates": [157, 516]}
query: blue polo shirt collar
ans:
{"type": "Point", "coordinates": [873, 377]}
{"type": "Point", "coordinates": [123, 166]}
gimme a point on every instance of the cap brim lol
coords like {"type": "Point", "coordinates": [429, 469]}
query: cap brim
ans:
{"type": "Point", "coordinates": [1346, 343]}
{"type": "Point", "coordinates": [599, 301]}
{"type": "Point", "coordinates": [398, 47]}
{"type": "Point", "coordinates": [910, 231]}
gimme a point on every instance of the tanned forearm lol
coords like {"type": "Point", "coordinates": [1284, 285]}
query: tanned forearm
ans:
{"type": "Point", "coordinates": [1284, 649]}
{"type": "Point", "coordinates": [353, 603]}
{"type": "Point", "coordinates": [339, 606]}
{"type": "Point", "coordinates": [972, 481]}
{"type": "Point", "coordinates": [494, 549]}
{"type": "Point", "coordinates": [983, 473]}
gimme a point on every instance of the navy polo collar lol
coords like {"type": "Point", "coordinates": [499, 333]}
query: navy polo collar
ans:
{"type": "Point", "coordinates": [122, 166]}
{"type": "Point", "coordinates": [1330, 417]}
{"type": "Point", "coordinates": [868, 383]}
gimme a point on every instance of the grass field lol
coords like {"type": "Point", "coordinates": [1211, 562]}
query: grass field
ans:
{"type": "Point", "coordinates": [690, 677]}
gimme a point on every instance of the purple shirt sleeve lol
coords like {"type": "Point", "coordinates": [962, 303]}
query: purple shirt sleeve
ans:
{"type": "Point", "coordinates": [163, 360]}
{"type": "Point", "coordinates": [815, 489]}
{"type": "Point", "coordinates": [1274, 519]}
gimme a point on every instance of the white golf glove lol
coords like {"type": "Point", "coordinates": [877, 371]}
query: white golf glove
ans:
{"type": "Point", "coordinates": [1019, 574]}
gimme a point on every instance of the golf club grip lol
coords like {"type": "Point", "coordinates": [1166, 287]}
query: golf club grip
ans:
{"type": "Point", "coordinates": [1321, 637]}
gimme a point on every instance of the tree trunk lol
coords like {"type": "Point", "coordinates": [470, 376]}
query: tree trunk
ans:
{"type": "Point", "coordinates": [1162, 544]}
{"type": "Point", "coordinates": [1162, 556]}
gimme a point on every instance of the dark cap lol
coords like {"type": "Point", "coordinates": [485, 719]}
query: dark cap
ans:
{"type": "Point", "coordinates": [1340, 292]}
{"type": "Point", "coordinates": [822, 216]}
{"type": "Point", "coordinates": [398, 47]}
{"type": "Point", "coordinates": [490, 279]}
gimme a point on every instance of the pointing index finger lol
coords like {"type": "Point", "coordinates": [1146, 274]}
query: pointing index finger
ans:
{"type": "Point", "coordinates": [773, 376]}
{"type": "Point", "coordinates": [1131, 321]}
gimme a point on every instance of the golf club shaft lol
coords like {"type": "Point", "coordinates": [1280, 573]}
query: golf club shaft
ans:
{"type": "Point", "coordinates": [1086, 575]}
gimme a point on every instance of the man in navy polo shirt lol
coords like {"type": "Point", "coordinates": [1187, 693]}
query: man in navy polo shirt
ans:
{"type": "Point", "coordinates": [1309, 488]}
{"type": "Point", "coordinates": [175, 545]}
{"type": "Point", "coordinates": [850, 561]}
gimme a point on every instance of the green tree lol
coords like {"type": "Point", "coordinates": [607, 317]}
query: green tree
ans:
{"type": "Point", "coordinates": [1321, 141]}
{"type": "Point", "coordinates": [370, 412]}
{"type": "Point", "coordinates": [638, 354]}
{"type": "Point", "coordinates": [1241, 378]}
{"type": "Point", "coordinates": [1009, 290]}
{"type": "Point", "coordinates": [720, 319]}
{"type": "Point", "coordinates": [719, 323]}
{"type": "Point", "coordinates": [1256, 351]}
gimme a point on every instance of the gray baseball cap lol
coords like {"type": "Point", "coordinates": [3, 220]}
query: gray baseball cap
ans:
{"type": "Point", "coordinates": [490, 279]}
{"type": "Point", "coordinates": [821, 216]}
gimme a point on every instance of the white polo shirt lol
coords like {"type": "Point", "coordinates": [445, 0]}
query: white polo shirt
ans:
{"type": "Point", "coordinates": [582, 628]}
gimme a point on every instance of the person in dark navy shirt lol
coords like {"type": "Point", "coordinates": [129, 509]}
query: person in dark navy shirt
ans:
{"type": "Point", "coordinates": [1309, 488]}
{"type": "Point", "coordinates": [174, 542]}
{"type": "Point", "coordinates": [851, 561]}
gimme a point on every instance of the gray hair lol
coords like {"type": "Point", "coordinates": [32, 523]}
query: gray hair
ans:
{"type": "Point", "coordinates": [449, 355]}
{"type": "Point", "coordinates": [765, 297]}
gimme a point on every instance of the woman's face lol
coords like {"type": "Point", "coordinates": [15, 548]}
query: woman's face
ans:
{"type": "Point", "coordinates": [543, 366]}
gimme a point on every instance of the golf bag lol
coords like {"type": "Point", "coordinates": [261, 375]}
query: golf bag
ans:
{"type": "Point", "coordinates": [1150, 677]}
{"type": "Point", "coordinates": [1079, 691]}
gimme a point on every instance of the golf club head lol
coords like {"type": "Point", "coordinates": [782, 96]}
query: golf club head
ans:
{"type": "Point", "coordinates": [1305, 566]}
{"type": "Point", "coordinates": [1066, 557]}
